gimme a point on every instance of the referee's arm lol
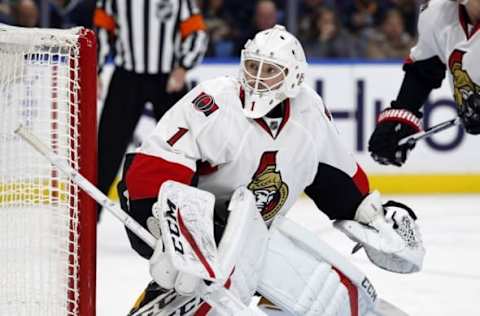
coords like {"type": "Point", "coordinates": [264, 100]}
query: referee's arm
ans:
{"type": "Point", "coordinates": [194, 39]}
{"type": "Point", "coordinates": [106, 25]}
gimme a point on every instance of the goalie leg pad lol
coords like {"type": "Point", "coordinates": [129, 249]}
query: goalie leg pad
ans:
{"type": "Point", "coordinates": [299, 282]}
{"type": "Point", "coordinates": [243, 245]}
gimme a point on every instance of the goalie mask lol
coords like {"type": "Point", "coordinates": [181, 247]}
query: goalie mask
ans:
{"type": "Point", "coordinates": [272, 69]}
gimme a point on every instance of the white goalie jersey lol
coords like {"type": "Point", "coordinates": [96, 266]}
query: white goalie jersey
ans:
{"type": "Point", "coordinates": [270, 136]}
{"type": "Point", "coordinates": [445, 31]}
{"type": "Point", "coordinates": [206, 135]}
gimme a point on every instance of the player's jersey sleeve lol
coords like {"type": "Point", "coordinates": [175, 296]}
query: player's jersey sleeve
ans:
{"type": "Point", "coordinates": [427, 45]}
{"type": "Point", "coordinates": [195, 129]}
{"type": "Point", "coordinates": [339, 184]}
{"type": "Point", "coordinates": [425, 67]}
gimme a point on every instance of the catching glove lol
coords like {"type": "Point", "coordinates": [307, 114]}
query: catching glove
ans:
{"type": "Point", "coordinates": [388, 233]}
{"type": "Point", "coordinates": [392, 126]}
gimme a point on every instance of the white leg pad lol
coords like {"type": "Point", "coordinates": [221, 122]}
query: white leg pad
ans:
{"type": "Point", "coordinates": [243, 245]}
{"type": "Point", "coordinates": [299, 281]}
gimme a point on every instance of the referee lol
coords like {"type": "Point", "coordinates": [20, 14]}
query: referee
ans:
{"type": "Point", "coordinates": [153, 43]}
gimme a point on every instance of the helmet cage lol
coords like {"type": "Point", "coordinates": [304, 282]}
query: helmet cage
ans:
{"type": "Point", "coordinates": [263, 91]}
{"type": "Point", "coordinates": [262, 75]}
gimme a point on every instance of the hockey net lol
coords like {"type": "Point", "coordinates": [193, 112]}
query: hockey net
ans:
{"type": "Point", "coordinates": [47, 225]}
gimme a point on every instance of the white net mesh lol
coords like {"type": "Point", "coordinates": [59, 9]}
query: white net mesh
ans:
{"type": "Point", "coordinates": [38, 205]}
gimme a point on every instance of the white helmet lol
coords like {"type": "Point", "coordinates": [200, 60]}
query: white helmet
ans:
{"type": "Point", "coordinates": [273, 67]}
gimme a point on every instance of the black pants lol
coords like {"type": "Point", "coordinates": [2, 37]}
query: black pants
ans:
{"type": "Point", "coordinates": [126, 97]}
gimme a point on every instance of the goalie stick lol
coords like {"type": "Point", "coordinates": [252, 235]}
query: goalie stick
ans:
{"type": "Point", "coordinates": [413, 139]}
{"type": "Point", "coordinates": [224, 302]}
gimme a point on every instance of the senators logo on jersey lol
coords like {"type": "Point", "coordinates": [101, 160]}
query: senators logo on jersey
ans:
{"type": "Point", "coordinates": [463, 85]}
{"type": "Point", "coordinates": [267, 186]}
{"type": "Point", "coordinates": [205, 103]}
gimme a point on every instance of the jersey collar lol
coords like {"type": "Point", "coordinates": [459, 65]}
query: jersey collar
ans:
{"type": "Point", "coordinates": [261, 121]}
{"type": "Point", "coordinates": [285, 117]}
{"type": "Point", "coordinates": [465, 20]}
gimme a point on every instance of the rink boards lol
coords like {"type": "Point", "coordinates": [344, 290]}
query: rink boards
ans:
{"type": "Point", "coordinates": [355, 92]}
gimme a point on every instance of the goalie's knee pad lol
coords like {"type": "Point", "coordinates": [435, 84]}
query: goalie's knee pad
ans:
{"type": "Point", "coordinates": [300, 282]}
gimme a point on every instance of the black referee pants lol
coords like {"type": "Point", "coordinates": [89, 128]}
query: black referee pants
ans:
{"type": "Point", "coordinates": [127, 95]}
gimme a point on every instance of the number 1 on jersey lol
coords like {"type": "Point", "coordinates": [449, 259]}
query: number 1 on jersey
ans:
{"type": "Point", "coordinates": [181, 131]}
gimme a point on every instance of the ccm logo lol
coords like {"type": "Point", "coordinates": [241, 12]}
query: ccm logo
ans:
{"type": "Point", "coordinates": [158, 306]}
{"type": "Point", "coordinates": [173, 227]}
{"type": "Point", "coordinates": [370, 289]}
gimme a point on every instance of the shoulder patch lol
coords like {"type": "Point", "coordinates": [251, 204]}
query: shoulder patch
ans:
{"type": "Point", "coordinates": [205, 103]}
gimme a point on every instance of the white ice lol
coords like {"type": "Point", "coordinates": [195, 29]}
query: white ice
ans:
{"type": "Point", "coordinates": [449, 283]}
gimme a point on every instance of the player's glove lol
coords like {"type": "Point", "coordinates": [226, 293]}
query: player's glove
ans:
{"type": "Point", "coordinates": [469, 113]}
{"type": "Point", "coordinates": [392, 126]}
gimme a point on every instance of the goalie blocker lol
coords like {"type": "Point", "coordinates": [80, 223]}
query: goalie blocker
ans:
{"type": "Point", "coordinates": [187, 257]}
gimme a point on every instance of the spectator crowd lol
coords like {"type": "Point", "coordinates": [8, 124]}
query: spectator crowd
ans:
{"type": "Point", "coordinates": [375, 29]}
{"type": "Point", "coordinates": [60, 13]}
{"type": "Point", "coordinates": [327, 28]}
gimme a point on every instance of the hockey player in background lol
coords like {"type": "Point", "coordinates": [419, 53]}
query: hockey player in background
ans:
{"type": "Point", "coordinates": [269, 133]}
{"type": "Point", "coordinates": [448, 41]}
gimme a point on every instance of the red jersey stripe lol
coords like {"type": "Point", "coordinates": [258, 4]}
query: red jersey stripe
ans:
{"type": "Point", "coordinates": [361, 180]}
{"type": "Point", "coordinates": [147, 173]}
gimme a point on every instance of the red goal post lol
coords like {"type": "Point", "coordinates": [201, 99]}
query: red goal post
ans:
{"type": "Point", "coordinates": [47, 224]}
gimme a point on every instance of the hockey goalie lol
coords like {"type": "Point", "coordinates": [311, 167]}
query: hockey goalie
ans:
{"type": "Point", "coordinates": [219, 173]}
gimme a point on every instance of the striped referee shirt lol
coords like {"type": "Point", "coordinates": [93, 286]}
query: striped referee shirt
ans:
{"type": "Point", "coordinates": [150, 36]}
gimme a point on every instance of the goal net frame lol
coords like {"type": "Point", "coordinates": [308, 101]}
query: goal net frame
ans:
{"type": "Point", "coordinates": [69, 59]}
